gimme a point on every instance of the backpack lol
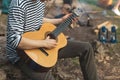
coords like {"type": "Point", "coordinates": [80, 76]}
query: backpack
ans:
{"type": "Point", "coordinates": [5, 6]}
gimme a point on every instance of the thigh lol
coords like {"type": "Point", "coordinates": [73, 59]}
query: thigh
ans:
{"type": "Point", "coordinates": [73, 49]}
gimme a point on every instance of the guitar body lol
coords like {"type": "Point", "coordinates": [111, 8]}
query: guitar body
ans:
{"type": "Point", "coordinates": [36, 54]}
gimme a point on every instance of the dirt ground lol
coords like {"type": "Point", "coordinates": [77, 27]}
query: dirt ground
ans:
{"type": "Point", "coordinates": [107, 56]}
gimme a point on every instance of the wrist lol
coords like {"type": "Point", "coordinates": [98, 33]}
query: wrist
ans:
{"type": "Point", "coordinates": [59, 20]}
{"type": "Point", "coordinates": [62, 19]}
{"type": "Point", "coordinates": [42, 43]}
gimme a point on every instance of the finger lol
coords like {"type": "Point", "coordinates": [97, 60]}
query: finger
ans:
{"type": "Point", "coordinates": [56, 44]}
{"type": "Point", "coordinates": [66, 16]}
{"type": "Point", "coordinates": [48, 37]}
{"type": "Point", "coordinates": [75, 19]}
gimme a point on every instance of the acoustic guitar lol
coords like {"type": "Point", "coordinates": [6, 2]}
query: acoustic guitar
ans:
{"type": "Point", "coordinates": [45, 57]}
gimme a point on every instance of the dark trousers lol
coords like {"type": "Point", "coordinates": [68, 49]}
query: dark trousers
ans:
{"type": "Point", "coordinates": [83, 50]}
{"type": "Point", "coordinates": [67, 2]}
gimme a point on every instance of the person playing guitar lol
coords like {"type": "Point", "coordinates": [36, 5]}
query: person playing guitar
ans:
{"type": "Point", "coordinates": [25, 31]}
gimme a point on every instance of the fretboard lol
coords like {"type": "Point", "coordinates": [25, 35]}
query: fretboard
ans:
{"type": "Point", "coordinates": [60, 28]}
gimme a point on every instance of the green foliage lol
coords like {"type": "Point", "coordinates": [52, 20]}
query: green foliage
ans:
{"type": "Point", "coordinates": [92, 2]}
{"type": "Point", "coordinates": [75, 61]}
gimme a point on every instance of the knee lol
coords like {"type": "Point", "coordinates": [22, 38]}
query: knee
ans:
{"type": "Point", "coordinates": [88, 48]}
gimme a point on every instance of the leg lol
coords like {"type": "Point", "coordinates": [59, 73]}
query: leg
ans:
{"type": "Point", "coordinates": [32, 74]}
{"type": "Point", "coordinates": [117, 5]}
{"type": "Point", "coordinates": [67, 2]}
{"type": "Point", "coordinates": [115, 9]}
{"type": "Point", "coordinates": [86, 57]}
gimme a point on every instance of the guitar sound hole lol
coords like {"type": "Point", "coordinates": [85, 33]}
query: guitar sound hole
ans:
{"type": "Point", "coordinates": [52, 36]}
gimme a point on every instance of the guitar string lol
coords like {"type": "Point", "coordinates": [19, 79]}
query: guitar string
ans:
{"type": "Point", "coordinates": [63, 25]}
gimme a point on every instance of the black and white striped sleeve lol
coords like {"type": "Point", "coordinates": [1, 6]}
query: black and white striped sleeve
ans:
{"type": "Point", "coordinates": [16, 23]}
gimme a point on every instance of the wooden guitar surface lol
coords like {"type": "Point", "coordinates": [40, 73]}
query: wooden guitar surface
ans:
{"type": "Point", "coordinates": [36, 54]}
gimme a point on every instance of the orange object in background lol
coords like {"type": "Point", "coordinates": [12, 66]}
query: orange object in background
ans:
{"type": "Point", "coordinates": [105, 2]}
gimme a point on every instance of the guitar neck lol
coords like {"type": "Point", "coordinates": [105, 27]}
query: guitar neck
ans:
{"type": "Point", "coordinates": [63, 25]}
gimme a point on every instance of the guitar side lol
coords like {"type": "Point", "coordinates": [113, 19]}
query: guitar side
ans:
{"type": "Point", "coordinates": [36, 54]}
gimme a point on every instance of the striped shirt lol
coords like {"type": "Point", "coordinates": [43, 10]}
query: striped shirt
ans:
{"type": "Point", "coordinates": [24, 16]}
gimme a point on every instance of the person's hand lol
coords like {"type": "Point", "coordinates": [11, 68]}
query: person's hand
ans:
{"type": "Point", "coordinates": [68, 15]}
{"type": "Point", "coordinates": [74, 20]}
{"type": "Point", "coordinates": [65, 17]}
{"type": "Point", "coordinates": [50, 43]}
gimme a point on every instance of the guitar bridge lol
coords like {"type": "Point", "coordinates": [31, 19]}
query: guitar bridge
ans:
{"type": "Point", "coordinates": [44, 51]}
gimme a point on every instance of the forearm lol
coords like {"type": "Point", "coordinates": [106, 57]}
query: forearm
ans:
{"type": "Point", "coordinates": [53, 21]}
{"type": "Point", "coordinates": [26, 43]}
{"type": "Point", "coordinates": [56, 21]}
